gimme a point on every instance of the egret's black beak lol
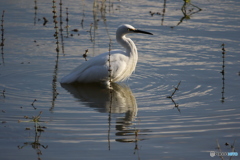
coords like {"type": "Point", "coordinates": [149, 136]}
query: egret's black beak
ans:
{"type": "Point", "coordinates": [140, 31]}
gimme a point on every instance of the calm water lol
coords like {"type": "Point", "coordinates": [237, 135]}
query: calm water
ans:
{"type": "Point", "coordinates": [134, 120]}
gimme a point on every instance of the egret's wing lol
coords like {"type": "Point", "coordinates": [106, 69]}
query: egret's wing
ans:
{"type": "Point", "coordinates": [77, 72]}
{"type": "Point", "coordinates": [96, 69]}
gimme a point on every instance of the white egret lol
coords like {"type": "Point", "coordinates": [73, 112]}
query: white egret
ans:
{"type": "Point", "coordinates": [122, 63]}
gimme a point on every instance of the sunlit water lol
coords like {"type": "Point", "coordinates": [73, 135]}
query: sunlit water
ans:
{"type": "Point", "coordinates": [134, 119]}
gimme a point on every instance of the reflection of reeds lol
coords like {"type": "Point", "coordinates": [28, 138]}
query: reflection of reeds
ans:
{"type": "Point", "coordinates": [176, 88]}
{"type": "Point", "coordinates": [90, 32]}
{"type": "Point", "coordinates": [67, 26]}
{"type": "Point", "coordinates": [83, 14]}
{"type": "Point", "coordinates": [110, 117]}
{"type": "Point", "coordinates": [3, 93]}
{"type": "Point", "coordinates": [33, 103]}
{"type": "Point", "coordinates": [2, 36]}
{"type": "Point", "coordinates": [55, 72]}
{"type": "Point", "coordinates": [100, 7]}
{"type": "Point", "coordinates": [61, 28]}
{"type": "Point", "coordinates": [171, 97]}
{"type": "Point", "coordinates": [35, 11]}
{"type": "Point", "coordinates": [136, 148]}
{"type": "Point", "coordinates": [164, 10]}
{"type": "Point", "coordinates": [232, 148]}
{"type": "Point", "coordinates": [223, 73]}
{"type": "Point", "coordinates": [219, 149]}
{"type": "Point", "coordinates": [187, 13]}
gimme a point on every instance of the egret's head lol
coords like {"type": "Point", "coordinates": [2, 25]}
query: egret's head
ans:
{"type": "Point", "coordinates": [126, 29]}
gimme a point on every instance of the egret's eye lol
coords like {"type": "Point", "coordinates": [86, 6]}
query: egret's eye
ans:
{"type": "Point", "coordinates": [129, 29]}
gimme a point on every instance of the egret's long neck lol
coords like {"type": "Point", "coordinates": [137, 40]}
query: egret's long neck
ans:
{"type": "Point", "coordinates": [131, 52]}
{"type": "Point", "coordinates": [128, 44]}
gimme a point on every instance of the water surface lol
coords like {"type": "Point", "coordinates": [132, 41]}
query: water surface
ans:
{"type": "Point", "coordinates": [134, 119]}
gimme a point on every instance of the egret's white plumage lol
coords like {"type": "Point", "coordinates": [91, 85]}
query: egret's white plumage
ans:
{"type": "Point", "coordinates": [122, 63]}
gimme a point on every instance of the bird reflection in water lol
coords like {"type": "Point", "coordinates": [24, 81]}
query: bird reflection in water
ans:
{"type": "Point", "coordinates": [117, 99]}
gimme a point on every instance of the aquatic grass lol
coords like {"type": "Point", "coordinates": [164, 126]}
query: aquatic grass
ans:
{"type": "Point", "coordinates": [3, 93]}
{"type": "Point", "coordinates": [223, 72]}
{"type": "Point", "coordinates": [35, 12]}
{"type": "Point", "coordinates": [36, 145]}
{"type": "Point", "coordinates": [83, 14]}
{"type": "Point", "coordinates": [36, 120]}
{"type": "Point", "coordinates": [187, 11]}
{"type": "Point", "coordinates": [103, 16]}
{"type": "Point", "coordinates": [153, 13]}
{"type": "Point", "coordinates": [2, 30]}
{"type": "Point", "coordinates": [55, 71]}
{"type": "Point", "coordinates": [2, 36]}
{"type": "Point", "coordinates": [163, 11]}
{"type": "Point", "coordinates": [61, 26]}
{"type": "Point", "coordinates": [109, 61]}
{"type": "Point", "coordinates": [85, 54]}
{"type": "Point", "coordinates": [136, 148]}
{"type": "Point", "coordinates": [45, 21]}
{"type": "Point", "coordinates": [67, 25]}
